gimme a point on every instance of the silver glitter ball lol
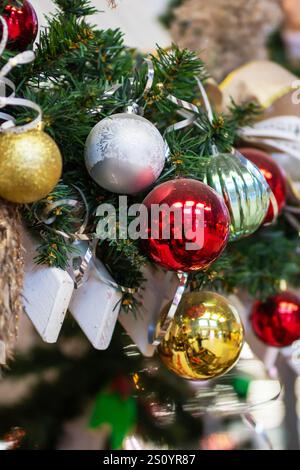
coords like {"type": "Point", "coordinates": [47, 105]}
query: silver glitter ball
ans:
{"type": "Point", "coordinates": [244, 190]}
{"type": "Point", "coordinates": [125, 153]}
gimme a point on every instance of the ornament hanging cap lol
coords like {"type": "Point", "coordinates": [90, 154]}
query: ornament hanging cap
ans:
{"type": "Point", "coordinates": [23, 58]}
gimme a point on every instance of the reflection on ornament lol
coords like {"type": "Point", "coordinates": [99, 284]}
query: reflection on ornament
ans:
{"type": "Point", "coordinates": [125, 153]}
{"type": "Point", "coordinates": [30, 166]}
{"type": "Point", "coordinates": [244, 190]}
{"type": "Point", "coordinates": [277, 320]}
{"type": "Point", "coordinates": [22, 24]}
{"type": "Point", "coordinates": [205, 339]}
{"type": "Point", "coordinates": [273, 174]}
{"type": "Point", "coordinates": [192, 226]}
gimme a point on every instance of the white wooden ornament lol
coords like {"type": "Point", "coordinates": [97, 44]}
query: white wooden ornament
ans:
{"type": "Point", "coordinates": [47, 293]}
{"type": "Point", "coordinates": [159, 289]}
{"type": "Point", "coordinates": [95, 305]}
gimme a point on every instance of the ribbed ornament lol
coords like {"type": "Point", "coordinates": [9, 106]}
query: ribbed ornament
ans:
{"type": "Point", "coordinates": [244, 189]}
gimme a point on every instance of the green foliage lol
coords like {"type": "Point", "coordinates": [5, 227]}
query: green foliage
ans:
{"type": "Point", "coordinates": [75, 65]}
{"type": "Point", "coordinates": [243, 115]}
{"type": "Point", "coordinates": [256, 265]}
{"type": "Point", "coordinates": [76, 7]}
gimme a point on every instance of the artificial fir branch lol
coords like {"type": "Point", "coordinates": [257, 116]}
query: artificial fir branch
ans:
{"type": "Point", "coordinates": [244, 114]}
{"type": "Point", "coordinates": [55, 249]}
{"type": "Point", "coordinates": [78, 8]}
{"type": "Point", "coordinates": [257, 265]}
{"type": "Point", "coordinates": [176, 70]}
{"type": "Point", "coordinates": [218, 133]}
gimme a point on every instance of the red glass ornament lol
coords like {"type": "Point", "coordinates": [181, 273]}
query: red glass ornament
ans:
{"type": "Point", "coordinates": [22, 24]}
{"type": "Point", "coordinates": [277, 320]}
{"type": "Point", "coordinates": [273, 174]}
{"type": "Point", "coordinates": [204, 223]}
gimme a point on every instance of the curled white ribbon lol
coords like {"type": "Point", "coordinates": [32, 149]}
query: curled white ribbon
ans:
{"type": "Point", "coordinates": [23, 103]}
{"type": "Point", "coordinates": [4, 38]}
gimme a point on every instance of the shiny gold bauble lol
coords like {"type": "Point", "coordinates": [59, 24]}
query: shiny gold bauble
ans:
{"type": "Point", "coordinates": [30, 166]}
{"type": "Point", "coordinates": [205, 338]}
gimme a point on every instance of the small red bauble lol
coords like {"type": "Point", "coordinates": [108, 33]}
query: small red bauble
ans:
{"type": "Point", "coordinates": [22, 24]}
{"type": "Point", "coordinates": [191, 213]}
{"type": "Point", "coordinates": [273, 174]}
{"type": "Point", "coordinates": [277, 320]}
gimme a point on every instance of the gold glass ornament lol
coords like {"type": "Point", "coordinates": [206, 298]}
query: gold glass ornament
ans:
{"type": "Point", "coordinates": [30, 166]}
{"type": "Point", "coordinates": [205, 338]}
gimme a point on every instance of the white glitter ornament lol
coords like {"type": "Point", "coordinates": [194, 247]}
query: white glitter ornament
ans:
{"type": "Point", "coordinates": [125, 153]}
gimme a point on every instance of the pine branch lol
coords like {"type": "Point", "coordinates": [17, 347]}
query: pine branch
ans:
{"type": "Point", "coordinates": [55, 249]}
{"type": "Point", "coordinates": [175, 73]}
{"type": "Point", "coordinates": [184, 159]}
